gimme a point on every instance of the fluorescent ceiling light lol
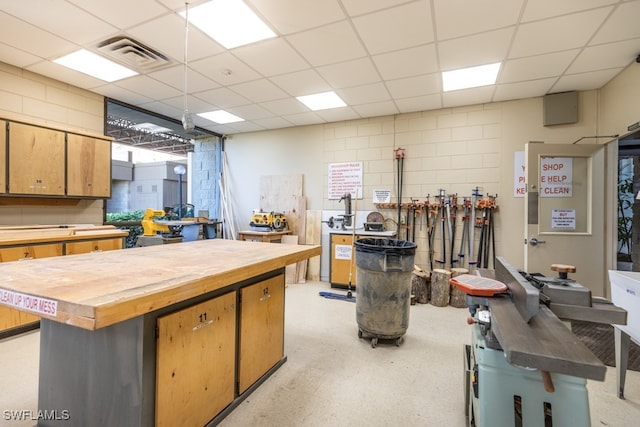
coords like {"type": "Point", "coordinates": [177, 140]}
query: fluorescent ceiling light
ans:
{"type": "Point", "coordinates": [229, 22]}
{"type": "Point", "coordinates": [151, 128]}
{"type": "Point", "coordinates": [95, 65]}
{"type": "Point", "coordinates": [466, 78]}
{"type": "Point", "coordinates": [322, 101]}
{"type": "Point", "coordinates": [221, 117]}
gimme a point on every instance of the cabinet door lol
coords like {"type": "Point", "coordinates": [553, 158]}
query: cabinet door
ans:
{"type": "Point", "coordinates": [88, 166]}
{"type": "Point", "coordinates": [261, 329]}
{"type": "Point", "coordinates": [342, 260]}
{"type": "Point", "coordinates": [195, 366]}
{"type": "Point", "coordinates": [3, 156]}
{"type": "Point", "coordinates": [75, 248]}
{"type": "Point", "coordinates": [36, 160]}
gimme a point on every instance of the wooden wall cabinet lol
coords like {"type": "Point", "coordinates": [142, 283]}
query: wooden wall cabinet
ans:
{"type": "Point", "coordinates": [3, 156]}
{"type": "Point", "coordinates": [88, 174]}
{"type": "Point", "coordinates": [261, 330]}
{"type": "Point", "coordinates": [36, 160]}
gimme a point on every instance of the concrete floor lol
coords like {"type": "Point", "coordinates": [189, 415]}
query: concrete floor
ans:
{"type": "Point", "coordinates": [333, 378]}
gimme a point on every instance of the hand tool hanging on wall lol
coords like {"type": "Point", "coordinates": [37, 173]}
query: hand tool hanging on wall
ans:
{"type": "Point", "coordinates": [432, 220]}
{"type": "Point", "coordinates": [487, 233]}
{"type": "Point", "coordinates": [452, 206]}
{"type": "Point", "coordinates": [475, 193]}
{"type": "Point", "coordinates": [464, 241]}
{"type": "Point", "coordinates": [442, 216]}
{"type": "Point", "coordinates": [399, 156]}
{"type": "Point", "coordinates": [414, 215]}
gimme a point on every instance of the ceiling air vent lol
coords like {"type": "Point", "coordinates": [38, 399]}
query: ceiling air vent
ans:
{"type": "Point", "coordinates": [133, 54]}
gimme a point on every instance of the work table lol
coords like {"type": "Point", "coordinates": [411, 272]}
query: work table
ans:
{"type": "Point", "coordinates": [119, 285]}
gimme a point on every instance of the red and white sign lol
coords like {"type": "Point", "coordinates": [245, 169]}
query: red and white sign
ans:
{"type": "Point", "coordinates": [556, 176]}
{"type": "Point", "coordinates": [345, 178]}
{"type": "Point", "coordinates": [29, 302]}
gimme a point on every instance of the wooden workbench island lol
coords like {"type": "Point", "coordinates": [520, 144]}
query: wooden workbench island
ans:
{"type": "Point", "coordinates": [161, 335]}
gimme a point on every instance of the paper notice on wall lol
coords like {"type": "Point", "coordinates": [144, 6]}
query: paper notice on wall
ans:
{"type": "Point", "coordinates": [381, 196]}
{"type": "Point", "coordinates": [518, 174]}
{"type": "Point", "coordinates": [556, 176]}
{"type": "Point", "coordinates": [345, 178]}
{"type": "Point", "coordinates": [343, 252]}
{"type": "Point", "coordinates": [563, 219]}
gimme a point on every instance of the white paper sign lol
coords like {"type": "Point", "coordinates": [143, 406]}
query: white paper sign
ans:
{"type": "Point", "coordinates": [556, 176]}
{"type": "Point", "coordinates": [564, 219]}
{"type": "Point", "coordinates": [29, 302]}
{"type": "Point", "coordinates": [345, 178]}
{"type": "Point", "coordinates": [343, 252]}
{"type": "Point", "coordinates": [518, 174]}
{"type": "Point", "coordinates": [381, 196]}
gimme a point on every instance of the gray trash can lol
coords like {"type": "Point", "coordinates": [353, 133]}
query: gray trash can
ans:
{"type": "Point", "coordinates": [383, 269]}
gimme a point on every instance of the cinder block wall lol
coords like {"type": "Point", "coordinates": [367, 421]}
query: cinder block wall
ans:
{"type": "Point", "coordinates": [36, 99]}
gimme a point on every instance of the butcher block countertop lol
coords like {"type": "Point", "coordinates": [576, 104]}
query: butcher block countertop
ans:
{"type": "Point", "coordinates": [28, 235]}
{"type": "Point", "coordinates": [95, 290]}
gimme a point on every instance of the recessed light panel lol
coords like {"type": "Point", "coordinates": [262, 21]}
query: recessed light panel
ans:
{"type": "Point", "coordinates": [221, 117]}
{"type": "Point", "coordinates": [322, 101]}
{"type": "Point", "coordinates": [466, 78]}
{"type": "Point", "coordinates": [95, 65]}
{"type": "Point", "coordinates": [229, 22]}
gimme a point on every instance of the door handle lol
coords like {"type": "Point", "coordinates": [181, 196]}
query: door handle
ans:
{"type": "Point", "coordinates": [534, 241]}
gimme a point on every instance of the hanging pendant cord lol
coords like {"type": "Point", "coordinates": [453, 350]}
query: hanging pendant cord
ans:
{"type": "Point", "coordinates": [186, 46]}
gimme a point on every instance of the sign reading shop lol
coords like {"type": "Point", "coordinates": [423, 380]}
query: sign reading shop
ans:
{"type": "Point", "coordinates": [556, 176]}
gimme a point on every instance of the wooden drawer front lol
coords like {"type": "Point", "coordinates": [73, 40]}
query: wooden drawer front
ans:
{"type": "Point", "coordinates": [36, 160]}
{"type": "Point", "coordinates": [261, 329]}
{"type": "Point", "coordinates": [88, 166]}
{"type": "Point", "coordinates": [93, 246]}
{"type": "Point", "coordinates": [195, 369]}
{"type": "Point", "coordinates": [30, 252]}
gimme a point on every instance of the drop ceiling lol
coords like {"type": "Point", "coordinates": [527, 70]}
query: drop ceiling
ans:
{"type": "Point", "coordinates": [381, 57]}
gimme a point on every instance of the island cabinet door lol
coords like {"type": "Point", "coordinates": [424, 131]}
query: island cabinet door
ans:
{"type": "Point", "coordinates": [195, 365]}
{"type": "Point", "coordinates": [261, 330]}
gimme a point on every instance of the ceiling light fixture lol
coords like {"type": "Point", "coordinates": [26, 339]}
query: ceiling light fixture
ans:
{"type": "Point", "coordinates": [230, 22]}
{"type": "Point", "coordinates": [322, 101]}
{"type": "Point", "coordinates": [187, 120]}
{"type": "Point", "coordinates": [221, 117]}
{"type": "Point", "coordinates": [465, 78]}
{"type": "Point", "coordinates": [95, 66]}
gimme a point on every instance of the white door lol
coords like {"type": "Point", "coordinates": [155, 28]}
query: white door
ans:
{"type": "Point", "coordinates": [564, 211]}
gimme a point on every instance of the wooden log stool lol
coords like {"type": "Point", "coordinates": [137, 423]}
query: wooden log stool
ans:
{"type": "Point", "coordinates": [457, 298]}
{"type": "Point", "coordinates": [440, 287]}
{"type": "Point", "coordinates": [420, 285]}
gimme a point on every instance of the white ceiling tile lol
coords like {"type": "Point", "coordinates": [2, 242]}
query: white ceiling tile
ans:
{"type": "Point", "coordinates": [542, 9]}
{"type": "Point", "coordinates": [365, 94]}
{"type": "Point", "coordinates": [585, 81]}
{"type": "Point", "coordinates": [146, 85]}
{"type": "Point", "coordinates": [121, 94]}
{"type": "Point", "coordinates": [166, 35]}
{"type": "Point", "coordinates": [360, 7]}
{"type": "Point", "coordinates": [456, 18]}
{"type": "Point", "coordinates": [174, 76]}
{"type": "Point", "coordinates": [415, 86]}
{"type": "Point", "coordinates": [301, 83]}
{"type": "Point", "coordinates": [338, 114]}
{"type": "Point", "coordinates": [407, 62]}
{"type": "Point", "coordinates": [250, 112]}
{"type": "Point", "coordinates": [622, 25]}
{"type": "Point", "coordinates": [328, 44]}
{"type": "Point", "coordinates": [111, 11]}
{"type": "Point", "coordinates": [259, 90]}
{"type": "Point", "coordinates": [420, 103]}
{"type": "Point", "coordinates": [552, 35]}
{"type": "Point", "coordinates": [458, 98]}
{"type": "Point", "coordinates": [292, 16]}
{"type": "Point", "coordinates": [222, 98]}
{"type": "Point", "coordinates": [376, 109]}
{"type": "Point", "coordinates": [350, 73]}
{"type": "Point", "coordinates": [273, 123]}
{"type": "Point", "coordinates": [285, 107]}
{"type": "Point", "coordinates": [397, 28]}
{"type": "Point", "coordinates": [225, 69]}
{"type": "Point", "coordinates": [32, 39]}
{"type": "Point", "coordinates": [480, 49]}
{"type": "Point", "coordinates": [521, 90]}
{"type": "Point", "coordinates": [606, 56]}
{"type": "Point", "coordinates": [245, 126]}
{"type": "Point", "coordinates": [17, 57]}
{"type": "Point", "coordinates": [194, 105]}
{"type": "Point", "coordinates": [536, 67]}
{"type": "Point", "coordinates": [63, 74]}
{"type": "Point", "coordinates": [271, 57]}
{"type": "Point", "coordinates": [304, 119]}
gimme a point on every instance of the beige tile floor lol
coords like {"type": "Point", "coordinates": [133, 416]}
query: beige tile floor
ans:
{"type": "Point", "coordinates": [333, 378]}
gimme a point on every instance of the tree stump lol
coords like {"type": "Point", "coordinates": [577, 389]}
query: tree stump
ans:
{"type": "Point", "coordinates": [440, 287]}
{"type": "Point", "coordinates": [457, 298]}
{"type": "Point", "coordinates": [420, 286]}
